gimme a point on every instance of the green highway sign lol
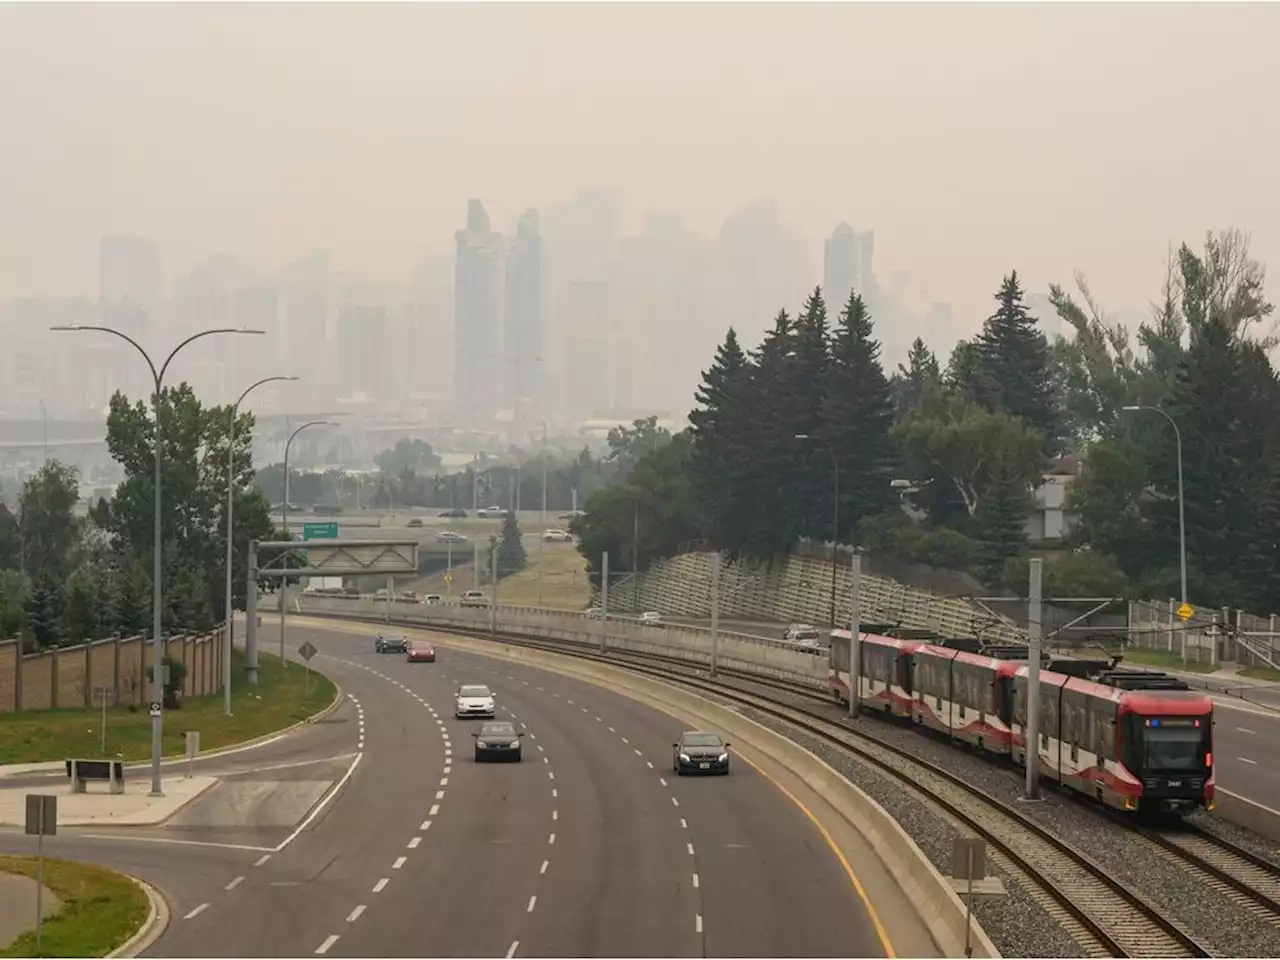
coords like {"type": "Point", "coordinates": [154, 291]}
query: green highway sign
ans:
{"type": "Point", "coordinates": [320, 531]}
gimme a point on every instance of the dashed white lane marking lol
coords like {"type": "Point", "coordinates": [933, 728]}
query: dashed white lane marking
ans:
{"type": "Point", "coordinates": [638, 753]}
{"type": "Point", "coordinates": [400, 861]}
{"type": "Point", "coordinates": [551, 775]}
{"type": "Point", "coordinates": [688, 846]}
{"type": "Point", "coordinates": [675, 802]}
{"type": "Point", "coordinates": [695, 881]}
{"type": "Point", "coordinates": [684, 824]}
{"type": "Point", "coordinates": [413, 844]}
{"type": "Point", "coordinates": [1247, 730]}
{"type": "Point", "coordinates": [552, 839]}
{"type": "Point", "coordinates": [555, 792]}
{"type": "Point", "coordinates": [540, 750]}
{"type": "Point", "coordinates": [329, 941]}
{"type": "Point", "coordinates": [611, 730]}
{"type": "Point", "coordinates": [354, 915]}
{"type": "Point", "coordinates": [697, 923]}
{"type": "Point", "coordinates": [540, 690]}
{"type": "Point", "coordinates": [381, 885]}
{"type": "Point", "coordinates": [262, 859]}
{"type": "Point", "coordinates": [234, 883]}
{"type": "Point", "coordinates": [435, 809]}
{"type": "Point", "coordinates": [196, 912]}
{"type": "Point", "coordinates": [598, 720]}
{"type": "Point", "coordinates": [532, 902]}
{"type": "Point", "coordinates": [425, 825]}
{"type": "Point", "coordinates": [545, 864]}
{"type": "Point", "coordinates": [555, 815]}
{"type": "Point", "coordinates": [544, 759]}
{"type": "Point", "coordinates": [511, 950]}
{"type": "Point", "coordinates": [1248, 761]}
{"type": "Point", "coordinates": [625, 740]}
{"type": "Point", "coordinates": [570, 702]}
{"type": "Point", "coordinates": [663, 781]}
{"type": "Point", "coordinates": [444, 781]}
{"type": "Point", "coordinates": [439, 794]}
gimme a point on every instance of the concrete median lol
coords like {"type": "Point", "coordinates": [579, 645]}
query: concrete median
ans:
{"type": "Point", "coordinates": [930, 894]}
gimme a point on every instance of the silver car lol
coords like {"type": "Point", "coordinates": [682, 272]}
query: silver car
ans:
{"type": "Point", "coordinates": [474, 700]}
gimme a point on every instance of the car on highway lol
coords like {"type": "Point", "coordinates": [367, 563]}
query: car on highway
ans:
{"type": "Point", "coordinates": [572, 515]}
{"type": "Point", "coordinates": [431, 599]}
{"type": "Point", "coordinates": [474, 700]}
{"type": "Point", "coordinates": [557, 536]}
{"type": "Point", "coordinates": [491, 513]}
{"type": "Point", "coordinates": [498, 740]}
{"type": "Point", "coordinates": [803, 634]}
{"type": "Point", "coordinates": [420, 651]}
{"type": "Point", "coordinates": [453, 514]}
{"type": "Point", "coordinates": [391, 643]}
{"type": "Point", "coordinates": [415, 522]}
{"type": "Point", "coordinates": [595, 613]}
{"type": "Point", "coordinates": [699, 751]}
{"type": "Point", "coordinates": [650, 616]}
{"type": "Point", "coordinates": [450, 536]}
{"type": "Point", "coordinates": [475, 598]}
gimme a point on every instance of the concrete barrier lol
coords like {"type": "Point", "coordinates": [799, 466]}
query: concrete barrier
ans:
{"type": "Point", "coordinates": [776, 658]}
{"type": "Point", "coordinates": [931, 894]}
{"type": "Point", "coordinates": [1248, 813]}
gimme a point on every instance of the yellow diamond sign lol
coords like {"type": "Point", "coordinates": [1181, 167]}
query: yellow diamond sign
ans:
{"type": "Point", "coordinates": [448, 578]}
{"type": "Point", "coordinates": [1185, 612]}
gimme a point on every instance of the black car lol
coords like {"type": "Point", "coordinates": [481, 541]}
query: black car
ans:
{"type": "Point", "coordinates": [699, 752]}
{"type": "Point", "coordinates": [453, 513]}
{"type": "Point", "coordinates": [498, 740]}
{"type": "Point", "coordinates": [391, 643]}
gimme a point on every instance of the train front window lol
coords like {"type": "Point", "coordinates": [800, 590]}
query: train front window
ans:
{"type": "Point", "coordinates": [1173, 746]}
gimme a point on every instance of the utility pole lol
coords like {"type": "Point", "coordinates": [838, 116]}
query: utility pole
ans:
{"type": "Point", "coordinates": [1033, 684]}
{"type": "Point", "coordinates": [604, 601]}
{"type": "Point", "coordinates": [715, 610]}
{"type": "Point", "coordinates": [855, 636]}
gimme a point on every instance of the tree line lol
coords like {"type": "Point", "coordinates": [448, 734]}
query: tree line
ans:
{"type": "Point", "coordinates": [67, 578]}
{"type": "Point", "coordinates": [938, 463]}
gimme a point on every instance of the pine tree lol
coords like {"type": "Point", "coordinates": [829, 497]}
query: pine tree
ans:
{"type": "Point", "coordinates": [809, 486]}
{"type": "Point", "coordinates": [917, 381]}
{"type": "Point", "coordinates": [768, 426]}
{"type": "Point", "coordinates": [1012, 364]}
{"type": "Point", "coordinates": [1259, 566]}
{"type": "Point", "coordinates": [511, 555]}
{"type": "Point", "coordinates": [721, 450]}
{"type": "Point", "coordinates": [1001, 522]}
{"type": "Point", "coordinates": [45, 610]}
{"type": "Point", "coordinates": [857, 414]}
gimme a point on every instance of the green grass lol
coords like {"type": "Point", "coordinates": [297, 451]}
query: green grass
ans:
{"type": "Point", "coordinates": [555, 576]}
{"type": "Point", "coordinates": [280, 699]}
{"type": "Point", "coordinates": [1261, 673]}
{"type": "Point", "coordinates": [101, 909]}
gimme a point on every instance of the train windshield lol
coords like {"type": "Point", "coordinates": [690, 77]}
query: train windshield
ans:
{"type": "Point", "coordinates": [1174, 746]}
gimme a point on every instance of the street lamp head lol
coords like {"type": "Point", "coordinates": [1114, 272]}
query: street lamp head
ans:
{"type": "Point", "coordinates": [65, 328]}
{"type": "Point", "coordinates": [802, 436]}
{"type": "Point", "coordinates": [1129, 408]}
{"type": "Point", "coordinates": [246, 330]}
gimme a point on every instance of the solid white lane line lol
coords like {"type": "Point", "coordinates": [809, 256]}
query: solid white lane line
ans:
{"type": "Point", "coordinates": [697, 923]}
{"type": "Point", "coordinates": [234, 883]}
{"type": "Point", "coordinates": [1248, 761]}
{"type": "Point", "coordinates": [695, 881]}
{"type": "Point", "coordinates": [1247, 730]}
{"type": "Point", "coordinates": [196, 912]}
{"type": "Point", "coordinates": [545, 864]}
{"type": "Point", "coordinates": [329, 941]}
{"type": "Point", "coordinates": [400, 861]}
{"type": "Point", "coordinates": [511, 951]}
{"type": "Point", "coordinates": [354, 915]}
{"type": "Point", "coordinates": [381, 885]}
{"type": "Point", "coordinates": [413, 843]}
{"type": "Point", "coordinates": [262, 859]}
{"type": "Point", "coordinates": [435, 809]}
{"type": "Point", "coordinates": [532, 901]}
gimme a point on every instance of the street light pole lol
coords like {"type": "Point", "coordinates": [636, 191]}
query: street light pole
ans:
{"type": "Point", "coordinates": [157, 594]}
{"type": "Point", "coordinates": [544, 474]}
{"type": "Point", "coordinates": [835, 518]}
{"type": "Point", "coordinates": [1182, 515]}
{"type": "Point", "coordinates": [229, 641]}
{"type": "Point", "coordinates": [284, 521]}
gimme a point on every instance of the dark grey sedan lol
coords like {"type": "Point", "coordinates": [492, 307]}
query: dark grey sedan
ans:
{"type": "Point", "coordinates": [698, 751]}
{"type": "Point", "coordinates": [391, 643]}
{"type": "Point", "coordinates": [498, 740]}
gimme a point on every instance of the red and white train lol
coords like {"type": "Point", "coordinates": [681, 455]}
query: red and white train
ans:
{"type": "Point", "coordinates": [1136, 740]}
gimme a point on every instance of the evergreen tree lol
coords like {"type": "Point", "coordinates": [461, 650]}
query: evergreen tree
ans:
{"type": "Point", "coordinates": [45, 610]}
{"type": "Point", "coordinates": [721, 455]}
{"type": "Point", "coordinates": [84, 609]}
{"type": "Point", "coordinates": [798, 407]}
{"type": "Point", "coordinates": [1259, 566]}
{"type": "Point", "coordinates": [858, 415]}
{"type": "Point", "coordinates": [917, 381]}
{"type": "Point", "coordinates": [134, 610]}
{"type": "Point", "coordinates": [511, 555]}
{"type": "Point", "coordinates": [1001, 521]}
{"type": "Point", "coordinates": [1013, 370]}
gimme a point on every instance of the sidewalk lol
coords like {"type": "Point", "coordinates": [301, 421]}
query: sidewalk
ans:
{"type": "Point", "coordinates": [133, 808]}
{"type": "Point", "coordinates": [18, 906]}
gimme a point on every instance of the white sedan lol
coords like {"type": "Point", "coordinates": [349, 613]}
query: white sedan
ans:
{"type": "Point", "coordinates": [557, 536]}
{"type": "Point", "coordinates": [474, 700]}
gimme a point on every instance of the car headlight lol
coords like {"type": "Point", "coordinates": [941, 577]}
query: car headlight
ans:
{"type": "Point", "coordinates": [723, 757]}
{"type": "Point", "coordinates": [488, 704]}
{"type": "Point", "coordinates": [685, 758]}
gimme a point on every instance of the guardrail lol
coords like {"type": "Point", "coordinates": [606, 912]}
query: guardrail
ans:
{"type": "Point", "coordinates": [777, 658]}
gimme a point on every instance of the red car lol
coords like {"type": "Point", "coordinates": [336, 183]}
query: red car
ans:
{"type": "Point", "coordinates": [420, 652]}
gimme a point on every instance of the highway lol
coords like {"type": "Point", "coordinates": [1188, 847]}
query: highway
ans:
{"type": "Point", "coordinates": [589, 847]}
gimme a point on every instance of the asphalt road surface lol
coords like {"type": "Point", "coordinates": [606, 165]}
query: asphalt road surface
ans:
{"type": "Point", "coordinates": [589, 847]}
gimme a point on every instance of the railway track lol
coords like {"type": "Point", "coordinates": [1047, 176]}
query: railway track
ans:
{"type": "Point", "coordinates": [1103, 916]}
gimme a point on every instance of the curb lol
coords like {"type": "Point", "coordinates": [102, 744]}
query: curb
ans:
{"type": "Point", "coordinates": [153, 927]}
{"type": "Point", "coordinates": [50, 766]}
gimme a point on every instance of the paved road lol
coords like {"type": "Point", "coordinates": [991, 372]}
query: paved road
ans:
{"type": "Point", "coordinates": [590, 847]}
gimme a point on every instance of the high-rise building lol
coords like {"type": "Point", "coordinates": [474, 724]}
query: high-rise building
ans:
{"type": "Point", "coordinates": [523, 335]}
{"type": "Point", "coordinates": [477, 313]}
{"type": "Point", "coordinates": [363, 344]}
{"type": "Point", "coordinates": [587, 353]}
{"type": "Point", "coordinates": [129, 272]}
{"type": "Point", "coordinates": [846, 268]}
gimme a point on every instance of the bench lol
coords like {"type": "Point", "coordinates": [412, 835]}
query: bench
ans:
{"type": "Point", "coordinates": [100, 771]}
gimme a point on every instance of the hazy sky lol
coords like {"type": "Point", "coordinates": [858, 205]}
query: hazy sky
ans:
{"type": "Point", "coordinates": [973, 138]}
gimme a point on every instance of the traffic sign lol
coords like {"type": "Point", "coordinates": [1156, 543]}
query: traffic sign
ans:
{"type": "Point", "coordinates": [307, 651]}
{"type": "Point", "coordinates": [320, 531]}
{"type": "Point", "coordinates": [448, 578]}
{"type": "Point", "coordinates": [1185, 612]}
{"type": "Point", "coordinates": [155, 708]}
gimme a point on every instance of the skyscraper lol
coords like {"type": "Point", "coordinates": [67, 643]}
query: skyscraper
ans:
{"type": "Point", "coordinates": [477, 314]}
{"type": "Point", "coordinates": [523, 335]}
{"type": "Point", "coordinates": [847, 267]}
{"type": "Point", "coordinates": [128, 297]}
